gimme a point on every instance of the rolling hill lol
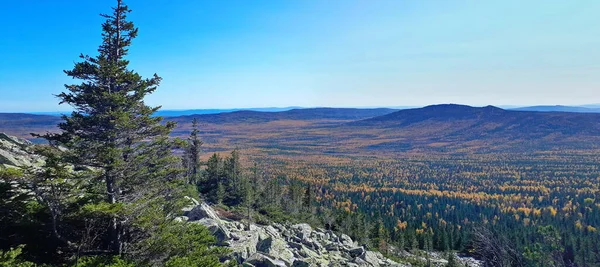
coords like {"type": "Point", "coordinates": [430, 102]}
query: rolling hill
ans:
{"type": "Point", "coordinates": [457, 127]}
{"type": "Point", "coordinates": [488, 120]}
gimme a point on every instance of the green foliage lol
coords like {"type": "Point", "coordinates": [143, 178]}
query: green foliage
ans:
{"type": "Point", "coordinates": [223, 182]}
{"type": "Point", "coordinates": [112, 131]}
{"type": "Point", "coordinates": [181, 244]}
{"type": "Point", "coordinates": [10, 173]}
{"type": "Point", "coordinates": [452, 262]}
{"type": "Point", "coordinates": [12, 258]}
{"type": "Point", "coordinates": [107, 261]}
{"type": "Point", "coordinates": [191, 157]}
{"type": "Point", "coordinates": [548, 251]}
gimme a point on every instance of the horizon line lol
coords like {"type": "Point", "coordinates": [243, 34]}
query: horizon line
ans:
{"type": "Point", "coordinates": [284, 108]}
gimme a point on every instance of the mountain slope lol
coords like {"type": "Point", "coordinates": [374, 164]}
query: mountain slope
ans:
{"type": "Point", "coordinates": [465, 128]}
{"type": "Point", "coordinates": [491, 120]}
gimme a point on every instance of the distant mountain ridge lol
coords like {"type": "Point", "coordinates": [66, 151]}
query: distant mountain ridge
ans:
{"type": "Point", "coordinates": [591, 108]}
{"type": "Point", "coordinates": [436, 112]}
{"type": "Point", "coordinates": [186, 112]}
{"type": "Point", "coordinates": [559, 108]}
{"type": "Point", "coordinates": [21, 124]}
{"type": "Point", "coordinates": [468, 123]}
{"type": "Point", "coordinates": [247, 116]}
{"type": "Point", "coordinates": [431, 128]}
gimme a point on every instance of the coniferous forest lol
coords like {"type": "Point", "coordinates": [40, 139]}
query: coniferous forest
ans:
{"type": "Point", "coordinates": [113, 175]}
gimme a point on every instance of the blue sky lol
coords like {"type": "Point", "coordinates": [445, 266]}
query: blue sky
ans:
{"type": "Point", "coordinates": [236, 54]}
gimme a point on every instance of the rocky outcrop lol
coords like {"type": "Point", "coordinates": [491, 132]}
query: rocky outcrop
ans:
{"type": "Point", "coordinates": [284, 245]}
{"type": "Point", "coordinates": [297, 245]}
{"type": "Point", "coordinates": [14, 152]}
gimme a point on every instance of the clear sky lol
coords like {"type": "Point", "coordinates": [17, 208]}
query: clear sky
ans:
{"type": "Point", "coordinates": [236, 54]}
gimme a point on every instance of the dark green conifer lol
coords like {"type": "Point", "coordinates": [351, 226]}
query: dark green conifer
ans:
{"type": "Point", "coordinates": [112, 132]}
{"type": "Point", "coordinates": [191, 158]}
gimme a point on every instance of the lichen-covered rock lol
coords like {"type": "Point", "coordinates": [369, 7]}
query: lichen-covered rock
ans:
{"type": "Point", "coordinates": [245, 246]}
{"type": "Point", "coordinates": [277, 248]}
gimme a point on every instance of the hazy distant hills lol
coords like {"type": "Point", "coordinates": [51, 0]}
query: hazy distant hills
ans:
{"type": "Point", "coordinates": [439, 128]}
{"type": "Point", "coordinates": [248, 116]}
{"type": "Point", "coordinates": [21, 124]}
{"type": "Point", "coordinates": [176, 113]}
{"type": "Point", "coordinates": [558, 108]}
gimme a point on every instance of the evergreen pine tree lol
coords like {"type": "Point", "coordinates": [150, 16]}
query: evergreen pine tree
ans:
{"type": "Point", "coordinates": [191, 158]}
{"type": "Point", "coordinates": [398, 238]}
{"type": "Point", "coordinates": [294, 198]}
{"type": "Point", "coordinates": [308, 199]}
{"type": "Point", "coordinates": [413, 243]}
{"type": "Point", "coordinates": [232, 181]}
{"type": "Point", "coordinates": [213, 176]}
{"type": "Point", "coordinates": [112, 131]}
{"type": "Point", "coordinates": [220, 194]}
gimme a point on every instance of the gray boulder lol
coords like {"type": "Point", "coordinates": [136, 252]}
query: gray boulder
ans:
{"type": "Point", "coordinates": [371, 258]}
{"type": "Point", "coordinates": [346, 240]}
{"type": "Point", "coordinates": [277, 248]}
{"type": "Point", "coordinates": [356, 252]}
{"type": "Point", "coordinates": [262, 260]}
{"type": "Point", "coordinates": [245, 246]}
{"type": "Point", "coordinates": [216, 228]}
{"type": "Point", "coordinates": [302, 230]}
{"type": "Point", "coordinates": [203, 211]}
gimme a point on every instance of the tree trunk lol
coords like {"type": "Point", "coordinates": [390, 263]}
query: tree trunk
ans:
{"type": "Point", "coordinates": [114, 236]}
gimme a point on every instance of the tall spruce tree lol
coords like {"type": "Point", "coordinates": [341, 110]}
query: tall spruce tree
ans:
{"type": "Point", "coordinates": [192, 155]}
{"type": "Point", "coordinates": [112, 131]}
